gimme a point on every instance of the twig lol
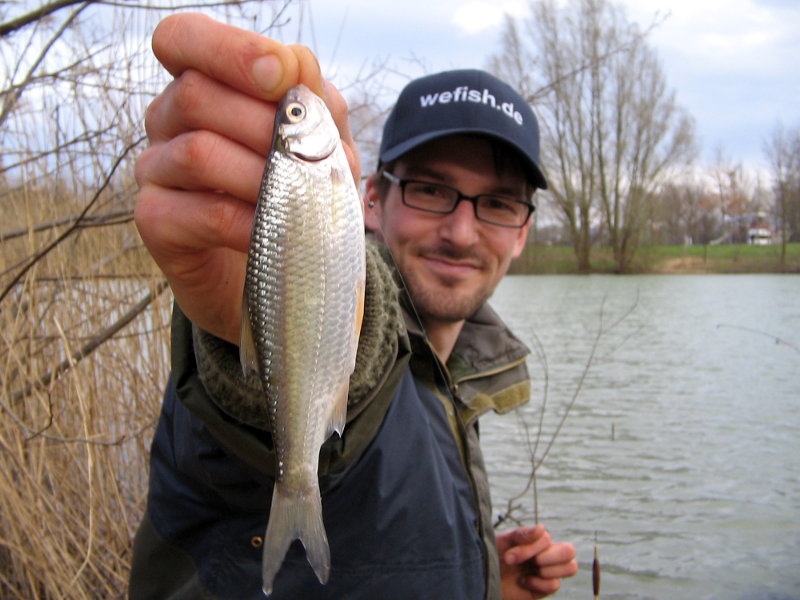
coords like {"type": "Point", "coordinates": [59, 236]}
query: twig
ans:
{"type": "Point", "coordinates": [171, 7]}
{"type": "Point", "coordinates": [13, 98]}
{"type": "Point", "coordinates": [532, 446]}
{"type": "Point", "coordinates": [35, 15]}
{"type": "Point", "coordinates": [47, 249]}
{"type": "Point", "coordinates": [86, 136]}
{"type": "Point", "coordinates": [601, 331]}
{"type": "Point", "coordinates": [110, 218]}
{"type": "Point", "coordinates": [85, 350]}
{"type": "Point", "coordinates": [90, 277]}
{"type": "Point", "coordinates": [89, 469]}
{"type": "Point", "coordinates": [536, 463]}
{"type": "Point", "coordinates": [778, 340]}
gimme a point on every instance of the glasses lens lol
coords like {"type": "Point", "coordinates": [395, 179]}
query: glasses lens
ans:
{"type": "Point", "coordinates": [430, 196]}
{"type": "Point", "coordinates": [501, 211]}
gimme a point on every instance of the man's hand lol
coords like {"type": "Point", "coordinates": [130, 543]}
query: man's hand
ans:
{"type": "Point", "coordinates": [531, 565]}
{"type": "Point", "coordinates": [210, 131]}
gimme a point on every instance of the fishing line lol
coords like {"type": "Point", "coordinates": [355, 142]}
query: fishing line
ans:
{"type": "Point", "coordinates": [439, 366]}
{"type": "Point", "coordinates": [415, 313]}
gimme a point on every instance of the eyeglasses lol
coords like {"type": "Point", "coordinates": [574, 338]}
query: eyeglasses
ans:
{"type": "Point", "coordinates": [443, 199]}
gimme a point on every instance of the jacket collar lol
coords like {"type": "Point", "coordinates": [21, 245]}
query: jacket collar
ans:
{"type": "Point", "coordinates": [487, 369]}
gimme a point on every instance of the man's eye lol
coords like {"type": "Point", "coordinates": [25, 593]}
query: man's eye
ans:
{"type": "Point", "coordinates": [429, 190]}
{"type": "Point", "coordinates": [498, 204]}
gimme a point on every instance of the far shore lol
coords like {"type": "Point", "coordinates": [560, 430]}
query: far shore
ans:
{"type": "Point", "coordinates": [657, 260]}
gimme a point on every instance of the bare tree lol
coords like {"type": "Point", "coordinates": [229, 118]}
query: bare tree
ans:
{"type": "Point", "coordinates": [367, 94]}
{"type": "Point", "coordinates": [728, 200]}
{"type": "Point", "coordinates": [611, 128]}
{"type": "Point", "coordinates": [783, 152]}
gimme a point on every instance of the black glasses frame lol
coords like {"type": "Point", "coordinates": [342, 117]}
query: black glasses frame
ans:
{"type": "Point", "coordinates": [402, 183]}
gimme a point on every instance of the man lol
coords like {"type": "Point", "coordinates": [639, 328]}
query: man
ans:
{"type": "Point", "coordinates": [405, 495]}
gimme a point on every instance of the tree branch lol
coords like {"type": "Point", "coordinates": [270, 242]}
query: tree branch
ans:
{"type": "Point", "coordinates": [77, 223]}
{"type": "Point", "coordinates": [85, 350]}
{"type": "Point", "coordinates": [13, 25]}
{"type": "Point", "coordinates": [110, 218]}
{"type": "Point", "coordinates": [13, 97]}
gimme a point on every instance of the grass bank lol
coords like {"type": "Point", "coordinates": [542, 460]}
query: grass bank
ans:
{"type": "Point", "coordinates": [560, 260]}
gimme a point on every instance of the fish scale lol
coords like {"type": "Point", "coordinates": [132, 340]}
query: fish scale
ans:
{"type": "Point", "coordinates": [301, 312]}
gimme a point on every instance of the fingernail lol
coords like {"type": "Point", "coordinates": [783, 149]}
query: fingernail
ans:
{"type": "Point", "coordinates": [511, 558]}
{"type": "Point", "coordinates": [267, 72]}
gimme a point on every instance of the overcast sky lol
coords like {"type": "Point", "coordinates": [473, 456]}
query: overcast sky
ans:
{"type": "Point", "coordinates": [733, 63]}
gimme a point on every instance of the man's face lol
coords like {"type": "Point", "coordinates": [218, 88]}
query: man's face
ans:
{"type": "Point", "coordinates": [451, 263]}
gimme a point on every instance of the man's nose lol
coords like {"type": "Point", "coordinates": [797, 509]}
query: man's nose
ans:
{"type": "Point", "coordinates": [460, 227]}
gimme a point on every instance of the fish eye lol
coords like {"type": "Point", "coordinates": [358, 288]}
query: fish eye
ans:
{"type": "Point", "coordinates": [295, 112]}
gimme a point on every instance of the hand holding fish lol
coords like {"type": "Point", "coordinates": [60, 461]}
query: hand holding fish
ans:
{"type": "Point", "coordinates": [210, 131]}
{"type": "Point", "coordinates": [531, 565]}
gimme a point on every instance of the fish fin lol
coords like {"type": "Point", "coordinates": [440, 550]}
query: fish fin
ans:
{"type": "Point", "coordinates": [360, 293]}
{"type": "Point", "coordinates": [247, 345]}
{"type": "Point", "coordinates": [339, 410]}
{"type": "Point", "coordinates": [295, 517]}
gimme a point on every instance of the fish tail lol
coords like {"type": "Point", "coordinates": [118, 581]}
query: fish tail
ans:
{"type": "Point", "coordinates": [294, 517]}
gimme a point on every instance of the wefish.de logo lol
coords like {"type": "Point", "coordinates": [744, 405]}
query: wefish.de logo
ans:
{"type": "Point", "coordinates": [465, 94]}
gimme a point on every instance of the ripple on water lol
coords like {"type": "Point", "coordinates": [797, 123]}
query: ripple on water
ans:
{"type": "Point", "coordinates": [681, 451]}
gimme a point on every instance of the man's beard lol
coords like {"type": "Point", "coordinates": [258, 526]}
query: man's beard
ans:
{"type": "Point", "coordinates": [445, 307]}
{"type": "Point", "coordinates": [444, 303]}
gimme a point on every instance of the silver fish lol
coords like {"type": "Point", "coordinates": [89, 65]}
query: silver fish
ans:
{"type": "Point", "coordinates": [301, 314]}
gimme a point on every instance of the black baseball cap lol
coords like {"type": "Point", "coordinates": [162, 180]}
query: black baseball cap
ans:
{"type": "Point", "coordinates": [462, 101]}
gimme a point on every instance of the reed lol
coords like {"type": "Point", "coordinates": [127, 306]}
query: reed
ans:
{"type": "Point", "coordinates": [84, 312]}
{"type": "Point", "coordinates": [83, 343]}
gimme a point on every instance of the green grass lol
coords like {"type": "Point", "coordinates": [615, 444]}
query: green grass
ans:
{"type": "Point", "coordinates": [735, 258]}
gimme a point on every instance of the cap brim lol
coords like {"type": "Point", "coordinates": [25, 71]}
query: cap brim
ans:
{"type": "Point", "coordinates": [533, 171]}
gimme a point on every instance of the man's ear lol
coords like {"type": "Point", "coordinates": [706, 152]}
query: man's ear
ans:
{"type": "Point", "coordinates": [522, 237]}
{"type": "Point", "coordinates": [372, 206]}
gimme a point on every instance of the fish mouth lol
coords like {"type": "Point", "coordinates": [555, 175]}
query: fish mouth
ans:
{"type": "Point", "coordinates": [312, 158]}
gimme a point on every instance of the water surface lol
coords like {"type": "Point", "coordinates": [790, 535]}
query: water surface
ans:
{"type": "Point", "coordinates": [682, 450]}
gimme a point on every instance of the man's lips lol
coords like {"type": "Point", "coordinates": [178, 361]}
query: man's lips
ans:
{"type": "Point", "coordinates": [450, 267]}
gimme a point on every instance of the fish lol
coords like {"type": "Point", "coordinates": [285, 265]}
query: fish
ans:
{"type": "Point", "coordinates": [302, 308]}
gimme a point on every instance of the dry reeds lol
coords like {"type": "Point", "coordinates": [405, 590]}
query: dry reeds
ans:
{"type": "Point", "coordinates": [84, 313]}
{"type": "Point", "coordinates": [83, 342]}
{"type": "Point", "coordinates": [78, 394]}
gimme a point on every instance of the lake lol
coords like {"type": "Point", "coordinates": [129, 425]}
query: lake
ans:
{"type": "Point", "coordinates": [681, 453]}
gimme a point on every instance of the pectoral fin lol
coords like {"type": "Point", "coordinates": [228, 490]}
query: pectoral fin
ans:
{"type": "Point", "coordinates": [247, 345]}
{"type": "Point", "coordinates": [360, 301]}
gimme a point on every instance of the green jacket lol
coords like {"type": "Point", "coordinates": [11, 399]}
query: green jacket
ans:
{"type": "Point", "coordinates": [212, 463]}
